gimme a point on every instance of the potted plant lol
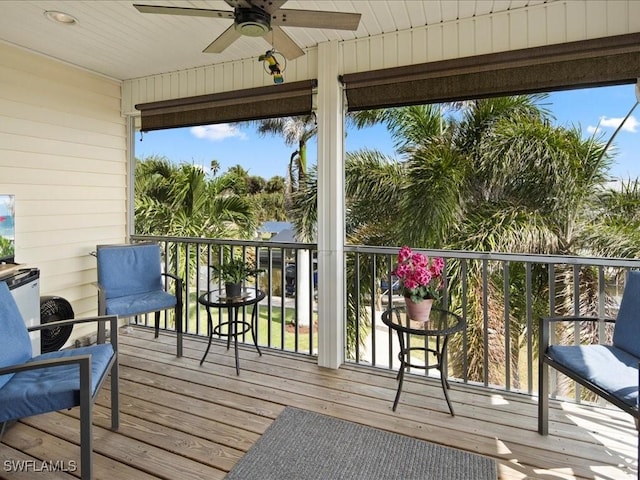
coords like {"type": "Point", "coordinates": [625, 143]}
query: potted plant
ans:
{"type": "Point", "coordinates": [233, 273]}
{"type": "Point", "coordinates": [420, 281]}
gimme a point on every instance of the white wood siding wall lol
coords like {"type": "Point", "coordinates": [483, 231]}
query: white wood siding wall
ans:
{"type": "Point", "coordinates": [544, 24]}
{"type": "Point", "coordinates": [63, 155]}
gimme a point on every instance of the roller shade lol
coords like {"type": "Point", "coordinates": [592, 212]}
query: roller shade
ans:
{"type": "Point", "coordinates": [250, 104]}
{"type": "Point", "coordinates": [598, 62]}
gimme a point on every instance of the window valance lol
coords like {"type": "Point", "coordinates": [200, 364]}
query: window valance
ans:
{"type": "Point", "coordinates": [234, 106]}
{"type": "Point", "coordinates": [597, 62]}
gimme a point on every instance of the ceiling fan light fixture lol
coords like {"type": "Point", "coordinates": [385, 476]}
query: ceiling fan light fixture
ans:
{"type": "Point", "coordinates": [252, 22]}
{"type": "Point", "coordinates": [60, 17]}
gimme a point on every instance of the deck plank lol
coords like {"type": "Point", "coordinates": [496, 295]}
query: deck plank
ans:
{"type": "Point", "coordinates": [205, 423]}
{"type": "Point", "coordinates": [19, 466]}
{"type": "Point", "coordinates": [465, 431]}
{"type": "Point", "coordinates": [49, 441]}
{"type": "Point", "coordinates": [145, 456]}
{"type": "Point", "coordinates": [182, 420]}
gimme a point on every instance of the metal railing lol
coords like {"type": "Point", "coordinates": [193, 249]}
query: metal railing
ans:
{"type": "Point", "coordinates": [287, 317]}
{"type": "Point", "coordinates": [501, 296]}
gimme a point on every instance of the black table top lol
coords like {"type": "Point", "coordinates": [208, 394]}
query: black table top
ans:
{"type": "Point", "coordinates": [218, 298]}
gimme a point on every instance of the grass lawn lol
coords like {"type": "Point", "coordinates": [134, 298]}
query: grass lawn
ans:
{"type": "Point", "coordinates": [272, 332]}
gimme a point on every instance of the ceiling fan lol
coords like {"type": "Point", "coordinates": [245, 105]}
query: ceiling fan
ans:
{"type": "Point", "coordinates": [256, 18]}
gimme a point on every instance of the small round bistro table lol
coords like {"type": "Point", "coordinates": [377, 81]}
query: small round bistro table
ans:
{"type": "Point", "coordinates": [441, 324]}
{"type": "Point", "coordinates": [234, 326]}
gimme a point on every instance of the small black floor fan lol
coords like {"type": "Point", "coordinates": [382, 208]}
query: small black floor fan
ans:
{"type": "Point", "coordinates": [53, 309]}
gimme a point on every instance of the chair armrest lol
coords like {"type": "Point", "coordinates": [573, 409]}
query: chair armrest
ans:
{"type": "Point", "coordinates": [178, 281]}
{"type": "Point", "coordinates": [546, 321]}
{"type": "Point", "coordinates": [175, 277]}
{"type": "Point", "coordinates": [573, 318]}
{"type": "Point", "coordinates": [53, 362]}
{"type": "Point", "coordinates": [113, 319]}
{"type": "Point", "coordinates": [102, 299]}
{"type": "Point", "coordinates": [73, 321]}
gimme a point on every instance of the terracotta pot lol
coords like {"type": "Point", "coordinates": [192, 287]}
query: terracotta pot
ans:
{"type": "Point", "coordinates": [233, 290]}
{"type": "Point", "coordinates": [419, 311]}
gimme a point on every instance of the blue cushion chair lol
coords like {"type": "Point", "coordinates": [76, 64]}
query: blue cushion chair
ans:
{"type": "Point", "coordinates": [56, 380]}
{"type": "Point", "coordinates": [130, 283]}
{"type": "Point", "coordinates": [610, 371]}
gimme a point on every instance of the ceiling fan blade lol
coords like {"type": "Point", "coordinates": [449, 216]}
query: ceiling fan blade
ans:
{"type": "Point", "coordinates": [316, 19]}
{"type": "Point", "coordinates": [225, 39]}
{"type": "Point", "coordinates": [192, 12]}
{"type": "Point", "coordinates": [284, 44]}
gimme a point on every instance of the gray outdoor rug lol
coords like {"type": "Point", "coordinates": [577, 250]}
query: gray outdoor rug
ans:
{"type": "Point", "coordinates": [302, 445]}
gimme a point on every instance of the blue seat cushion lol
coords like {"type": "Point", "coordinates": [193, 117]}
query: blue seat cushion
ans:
{"type": "Point", "coordinates": [51, 389]}
{"type": "Point", "coordinates": [130, 305]}
{"type": "Point", "coordinates": [608, 367]}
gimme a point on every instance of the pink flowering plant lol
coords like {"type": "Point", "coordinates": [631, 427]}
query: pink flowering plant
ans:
{"type": "Point", "coordinates": [419, 276]}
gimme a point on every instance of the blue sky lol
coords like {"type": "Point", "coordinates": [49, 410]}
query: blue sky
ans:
{"type": "Point", "coordinates": [598, 110]}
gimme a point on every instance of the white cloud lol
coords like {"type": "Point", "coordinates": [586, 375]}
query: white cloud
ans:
{"type": "Point", "coordinates": [593, 130]}
{"type": "Point", "coordinates": [631, 125]}
{"type": "Point", "coordinates": [217, 133]}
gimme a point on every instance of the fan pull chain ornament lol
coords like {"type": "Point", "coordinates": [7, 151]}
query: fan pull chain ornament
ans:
{"type": "Point", "coordinates": [272, 66]}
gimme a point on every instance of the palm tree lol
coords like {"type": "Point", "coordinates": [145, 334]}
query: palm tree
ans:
{"type": "Point", "coordinates": [236, 179]}
{"type": "Point", "coordinates": [296, 132]}
{"type": "Point", "coordinates": [494, 176]}
{"type": "Point", "coordinates": [275, 184]}
{"type": "Point", "coordinates": [179, 200]}
{"type": "Point", "coordinates": [215, 167]}
{"type": "Point", "coordinates": [617, 231]}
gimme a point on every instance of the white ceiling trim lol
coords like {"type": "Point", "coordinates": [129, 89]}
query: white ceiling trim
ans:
{"type": "Point", "coordinates": [538, 25]}
{"type": "Point", "coordinates": [114, 39]}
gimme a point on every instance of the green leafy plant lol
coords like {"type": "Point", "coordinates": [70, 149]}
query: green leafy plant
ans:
{"type": "Point", "coordinates": [235, 270]}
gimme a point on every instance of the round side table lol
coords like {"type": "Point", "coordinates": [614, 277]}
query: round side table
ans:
{"type": "Point", "coordinates": [235, 327]}
{"type": "Point", "coordinates": [441, 324]}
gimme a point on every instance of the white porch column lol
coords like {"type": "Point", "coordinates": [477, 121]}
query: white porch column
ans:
{"type": "Point", "coordinates": [330, 208]}
{"type": "Point", "coordinates": [304, 295]}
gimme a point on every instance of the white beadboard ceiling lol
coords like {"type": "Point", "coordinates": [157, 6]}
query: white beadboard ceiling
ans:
{"type": "Point", "coordinates": [114, 39]}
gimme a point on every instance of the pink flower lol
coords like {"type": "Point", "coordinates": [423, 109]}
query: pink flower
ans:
{"type": "Point", "coordinates": [410, 283]}
{"type": "Point", "coordinates": [419, 276]}
{"type": "Point", "coordinates": [438, 265]}
{"type": "Point", "coordinates": [423, 277]}
{"type": "Point", "coordinates": [419, 260]}
{"type": "Point", "coordinates": [404, 254]}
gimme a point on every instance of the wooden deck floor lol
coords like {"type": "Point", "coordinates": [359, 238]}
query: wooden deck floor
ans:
{"type": "Point", "coordinates": [182, 421]}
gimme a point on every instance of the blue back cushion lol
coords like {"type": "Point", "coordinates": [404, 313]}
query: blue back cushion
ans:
{"type": "Point", "coordinates": [626, 334]}
{"type": "Point", "coordinates": [129, 269]}
{"type": "Point", "coordinates": [15, 345]}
